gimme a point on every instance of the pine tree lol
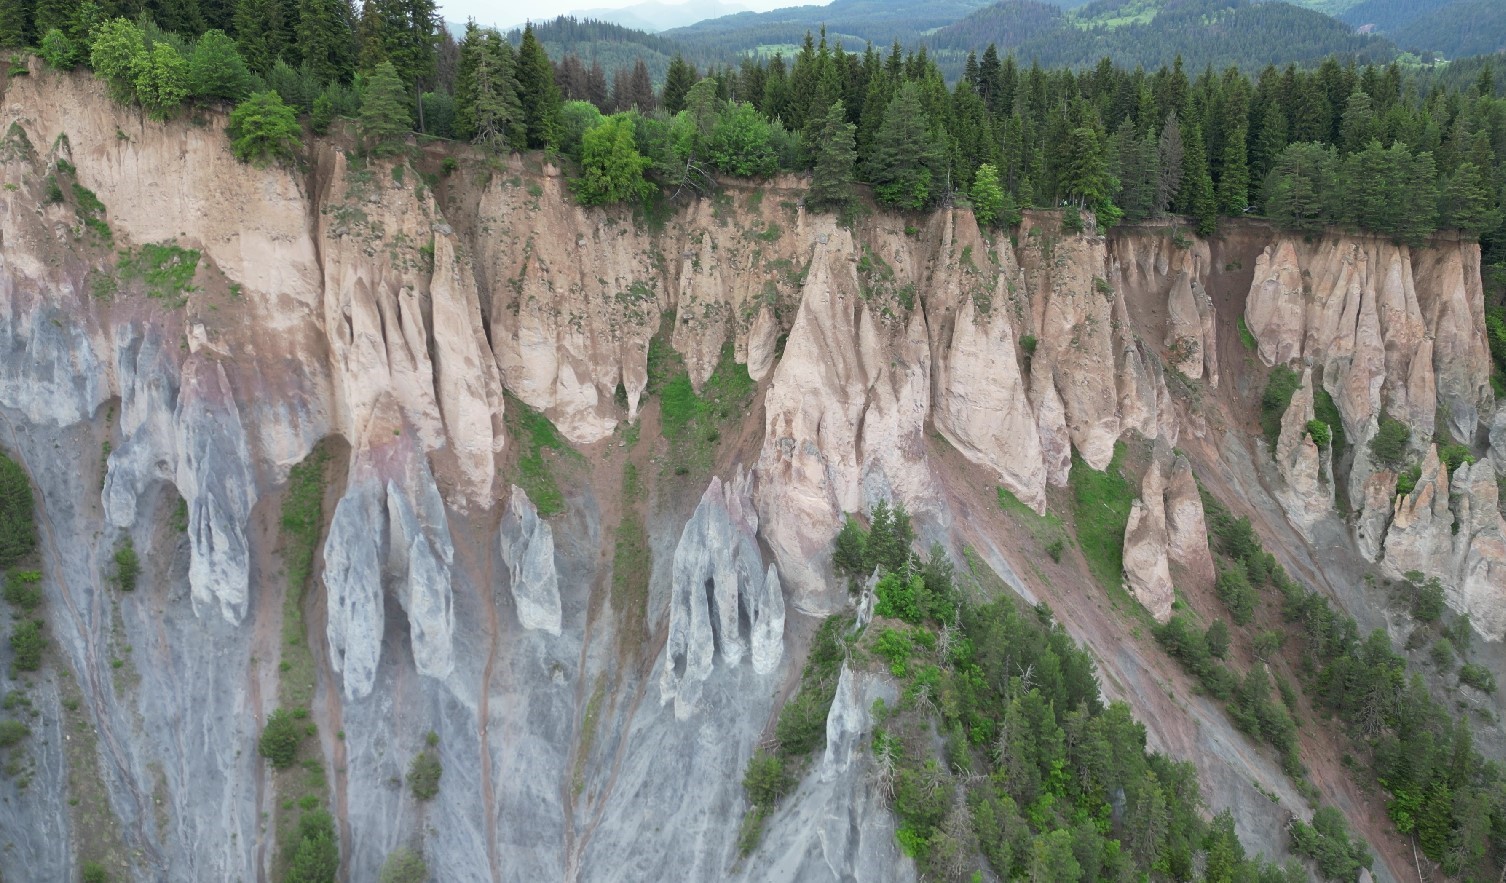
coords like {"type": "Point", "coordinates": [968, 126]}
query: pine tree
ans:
{"type": "Point", "coordinates": [906, 160]}
{"type": "Point", "coordinates": [678, 81]}
{"type": "Point", "coordinates": [51, 14]}
{"type": "Point", "coordinates": [15, 23]}
{"type": "Point", "coordinates": [1198, 198]}
{"type": "Point", "coordinates": [465, 81]}
{"type": "Point", "coordinates": [1170, 158]}
{"type": "Point", "coordinates": [385, 120]}
{"type": "Point", "coordinates": [831, 179]}
{"type": "Point", "coordinates": [1085, 176]}
{"type": "Point", "coordinates": [1234, 179]}
{"type": "Point", "coordinates": [260, 31]}
{"type": "Point", "coordinates": [537, 92]}
{"type": "Point", "coordinates": [1466, 203]}
{"type": "Point", "coordinates": [326, 39]}
{"type": "Point", "coordinates": [498, 112]}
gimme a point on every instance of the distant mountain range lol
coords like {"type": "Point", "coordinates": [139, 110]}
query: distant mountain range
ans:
{"type": "Point", "coordinates": [1149, 33]}
{"type": "Point", "coordinates": [652, 16]}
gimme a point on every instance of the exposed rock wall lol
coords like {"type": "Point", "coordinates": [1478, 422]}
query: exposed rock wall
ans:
{"type": "Point", "coordinates": [352, 302]}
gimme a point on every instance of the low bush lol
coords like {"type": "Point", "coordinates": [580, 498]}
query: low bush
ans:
{"type": "Point", "coordinates": [423, 775]}
{"type": "Point", "coordinates": [127, 566]}
{"type": "Point", "coordinates": [1477, 676]}
{"type": "Point", "coordinates": [1389, 447]}
{"type": "Point", "coordinates": [281, 739]}
{"type": "Point", "coordinates": [27, 643]}
{"type": "Point", "coordinates": [1282, 384]}
{"type": "Point", "coordinates": [23, 588]}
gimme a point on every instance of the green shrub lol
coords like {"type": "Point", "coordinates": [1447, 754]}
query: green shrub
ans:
{"type": "Point", "coordinates": [1217, 639]}
{"type": "Point", "coordinates": [1319, 432]}
{"type": "Point", "coordinates": [12, 732]}
{"type": "Point", "coordinates": [1246, 337]}
{"type": "Point", "coordinates": [1327, 411]}
{"type": "Point", "coordinates": [263, 130]}
{"type": "Point", "coordinates": [127, 566]}
{"type": "Point", "coordinates": [94, 872]}
{"type": "Point", "coordinates": [403, 865]}
{"type": "Point", "coordinates": [316, 857]}
{"type": "Point", "coordinates": [1477, 676]}
{"type": "Point", "coordinates": [423, 775]}
{"type": "Point", "coordinates": [27, 643]}
{"type": "Point", "coordinates": [23, 589]}
{"type": "Point", "coordinates": [18, 530]}
{"type": "Point", "coordinates": [281, 739]}
{"type": "Point", "coordinates": [766, 779]}
{"type": "Point", "coordinates": [1427, 597]}
{"type": "Point", "coordinates": [848, 554]}
{"type": "Point", "coordinates": [1454, 456]}
{"type": "Point", "coordinates": [1389, 447]}
{"type": "Point", "coordinates": [900, 597]}
{"type": "Point", "coordinates": [1279, 389]}
{"type": "Point", "coordinates": [1443, 653]}
{"type": "Point", "coordinates": [1234, 589]}
{"type": "Point", "coordinates": [1406, 482]}
{"type": "Point", "coordinates": [1327, 842]}
{"type": "Point", "coordinates": [801, 727]}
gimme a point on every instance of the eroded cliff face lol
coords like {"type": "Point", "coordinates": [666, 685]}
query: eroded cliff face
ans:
{"type": "Point", "coordinates": [350, 302]}
{"type": "Point", "coordinates": [1392, 332]}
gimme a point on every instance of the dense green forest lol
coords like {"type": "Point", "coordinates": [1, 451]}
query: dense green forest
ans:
{"type": "Point", "coordinates": [1000, 754]}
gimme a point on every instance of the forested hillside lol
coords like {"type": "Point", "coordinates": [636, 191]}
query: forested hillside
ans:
{"type": "Point", "coordinates": [1134, 32]}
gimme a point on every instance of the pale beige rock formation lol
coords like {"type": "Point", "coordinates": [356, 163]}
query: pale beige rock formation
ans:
{"type": "Point", "coordinates": [1147, 567]}
{"type": "Point", "coordinates": [1187, 527]}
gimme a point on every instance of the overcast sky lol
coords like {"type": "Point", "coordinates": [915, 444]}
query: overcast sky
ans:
{"type": "Point", "coordinates": [505, 13]}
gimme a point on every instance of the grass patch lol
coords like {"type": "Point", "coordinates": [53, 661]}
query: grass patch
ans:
{"type": "Point", "coordinates": [1325, 410]}
{"type": "Point", "coordinates": [533, 473]}
{"type": "Point", "coordinates": [166, 270]}
{"type": "Point", "coordinates": [1101, 507]}
{"type": "Point", "coordinates": [632, 564]}
{"type": "Point", "coordinates": [690, 422]}
{"type": "Point", "coordinates": [588, 725]}
{"type": "Point", "coordinates": [1246, 337]}
{"type": "Point", "coordinates": [1047, 529]}
{"type": "Point", "coordinates": [300, 523]}
{"type": "Point", "coordinates": [1279, 389]}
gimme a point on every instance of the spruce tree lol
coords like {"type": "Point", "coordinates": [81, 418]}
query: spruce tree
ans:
{"type": "Point", "coordinates": [498, 113]}
{"type": "Point", "coordinates": [15, 23]}
{"type": "Point", "coordinates": [385, 120]}
{"type": "Point", "coordinates": [260, 31]}
{"type": "Point", "coordinates": [1085, 176]}
{"type": "Point", "coordinates": [1198, 198]}
{"type": "Point", "coordinates": [1170, 159]}
{"type": "Point", "coordinates": [326, 39]}
{"type": "Point", "coordinates": [465, 81]}
{"type": "Point", "coordinates": [678, 81]}
{"type": "Point", "coordinates": [831, 179]}
{"type": "Point", "coordinates": [906, 160]}
{"type": "Point", "coordinates": [1466, 204]}
{"type": "Point", "coordinates": [51, 14]}
{"type": "Point", "coordinates": [537, 92]}
{"type": "Point", "coordinates": [1234, 179]}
